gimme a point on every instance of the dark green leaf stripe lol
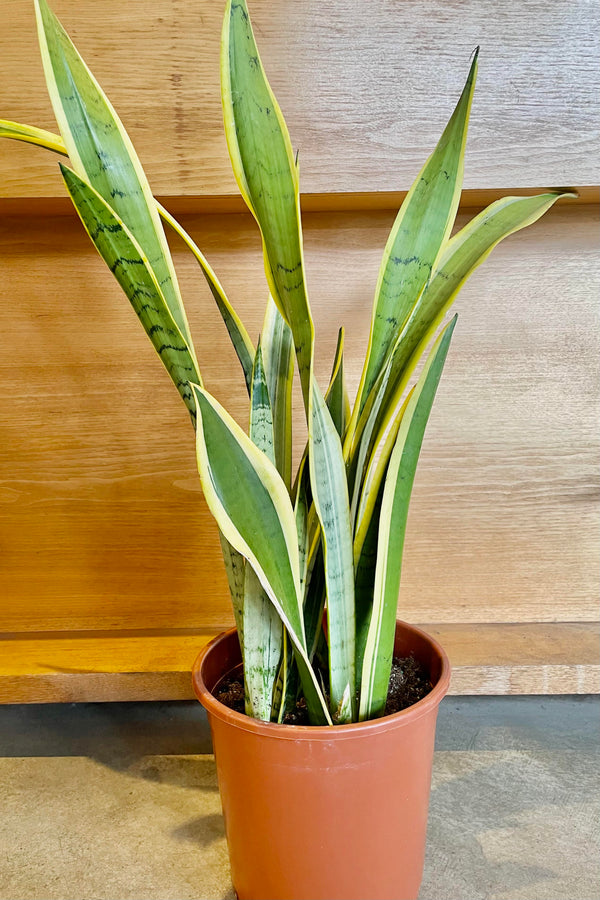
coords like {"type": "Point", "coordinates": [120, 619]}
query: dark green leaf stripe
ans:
{"type": "Point", "coordinates": [128, 264]}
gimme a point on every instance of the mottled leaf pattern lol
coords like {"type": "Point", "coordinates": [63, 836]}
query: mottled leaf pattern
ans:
{"type": "Point", "coordinates": [333, 542]}
{"type": "Point", "coordinates": [263, 630]}
{"type": "Point", "coordinates": [101, 152]}
{"type": "Point", "coordinates": [330, 492]}
{"type": "Point", "coordinates": [243, 487]}
{"type": "Point", "coordinates": [127, 262]}
{"type": "Point", "coordinates": [266, 171]}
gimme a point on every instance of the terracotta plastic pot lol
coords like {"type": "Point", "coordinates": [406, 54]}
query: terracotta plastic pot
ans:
{"type": "Point", "coordinates": [325, 813]}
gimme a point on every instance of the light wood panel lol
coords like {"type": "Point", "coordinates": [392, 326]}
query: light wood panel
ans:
{"type": "Point", "coordinates": [102, 525]}
{"type": "Point", "coordinates": [486, 659]}
{"type": "Point", "coordinates": [366, 88]}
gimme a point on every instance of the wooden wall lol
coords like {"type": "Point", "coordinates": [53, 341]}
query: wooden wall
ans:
{"type": "Point", "coordinates": [110, 570]}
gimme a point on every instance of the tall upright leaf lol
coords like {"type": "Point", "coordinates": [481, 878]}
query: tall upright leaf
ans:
{"type": "Point", "coordinates": [377, 662]}
{"type": "Point", "coordinates": [242, 487]}
{"type": "Point", "coordinates": [421, 227]}
{"type": "Point", "coordinates": [262, 628]}
{"type": "Point", "coordinates": [278, 359]}
{"type": "Point", "coordinates": [330, 493]}
{"type": "Point", "coordinates": [128, 263]}
{"type": "Point", "coordinates": [101, 152]}
{"type": "Point", "coordinates": [266, 172]}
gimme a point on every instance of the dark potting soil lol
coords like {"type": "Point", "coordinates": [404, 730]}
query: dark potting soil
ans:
{"type": "Point", "coordinates": [409, 683]}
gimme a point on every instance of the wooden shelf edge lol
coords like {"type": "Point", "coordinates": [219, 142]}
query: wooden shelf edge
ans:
{"type": "Point", "coordinates": [222, 204]}
{"type": "Point", "coordinates": [487, 658]}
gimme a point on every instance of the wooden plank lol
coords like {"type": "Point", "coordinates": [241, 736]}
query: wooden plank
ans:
{"type": "Point", "coordinates": [486, 659]}
{"type": "Point", "coordinates": [227, 204]}
{"type": "Point", "coordinates": [102, 525]}
{"type": "Point", "coordinates": [366, 89]}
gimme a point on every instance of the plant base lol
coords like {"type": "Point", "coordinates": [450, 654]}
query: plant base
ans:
{"type": "Point", "coordinates": [318, 813]}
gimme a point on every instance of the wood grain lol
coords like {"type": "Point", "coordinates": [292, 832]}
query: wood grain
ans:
{"type": "Point", "coordinates": [366, 89]}
{"type": "Point", "coordinates": [95, 667]}
{"type": "Point", "coordinates": [102, 525]}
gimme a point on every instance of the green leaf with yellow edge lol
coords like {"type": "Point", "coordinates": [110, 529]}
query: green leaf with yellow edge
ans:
{"type": "Point", "coordinates": [262, 628]}
{"type": "Point", "coordinates": [32, 135]}
{"type": "Point", "coordinates": [330, 494]}
{"type": "Point", "coordinates": [461, 255]}
{"type": "Point", "coordinates": [378, 652]}
{"type": "Point", "coordinates": [266, 172]}
{"type": "Point", "coordinates": [242, 343]}
{"type": "Point", "coordinates": [128, 263]}
{"type": "Point", "coordinates": [278, 358]}
{"type": "Point", "coordinates": [242, 487]}
{"type": "Point", "coordinates": [336, 396]}
{"type": "Point", "coordinates": [420, 230]}
{"type": "Point", "coordinates": [102, 153]}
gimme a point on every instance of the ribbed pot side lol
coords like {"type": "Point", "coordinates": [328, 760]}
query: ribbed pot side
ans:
{"type": "Point", "coordinates": [321, 813]}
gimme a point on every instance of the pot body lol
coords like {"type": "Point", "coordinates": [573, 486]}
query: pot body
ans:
{"type": "Point", "coordinates": [325, 813]}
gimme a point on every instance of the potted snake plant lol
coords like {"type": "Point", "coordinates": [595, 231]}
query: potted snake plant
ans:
{"type": "Point", "coordinates": [335, 807]}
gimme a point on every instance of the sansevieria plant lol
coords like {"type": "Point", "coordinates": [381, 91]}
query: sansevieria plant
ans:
{"type": "Point", "coordinates": [313, 561]}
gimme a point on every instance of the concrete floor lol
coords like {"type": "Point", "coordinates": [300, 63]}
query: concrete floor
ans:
{"type": "Point", "coordinates": [120, 802]}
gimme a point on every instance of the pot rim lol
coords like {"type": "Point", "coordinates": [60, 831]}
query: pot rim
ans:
{"type": "Point", "coordinates": [322, 732]}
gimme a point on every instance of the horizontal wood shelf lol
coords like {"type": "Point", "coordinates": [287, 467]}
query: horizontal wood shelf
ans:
{"type": "Point", "coordinates": [348, 201]}
{"type": "Point", "coordinates": [556, 658]}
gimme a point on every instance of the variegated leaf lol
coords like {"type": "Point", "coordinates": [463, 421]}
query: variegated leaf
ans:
{"type": "Point", "coordinates": [420, 230]}
{"type": "Point", "coordinates": [330, 493]}
{"type": "Point", "coordinates": [263, 630]}
{"type": "Point", "coordinates": [377, 661]}
{"type": "Point", "coordinates": [127, 261]}
{"type": "Point", "coordinates": [266, 172]}
{"type": "Point", "coordinates": [101, 153]}
{"type": "Point", "coordinates": [242, 487]}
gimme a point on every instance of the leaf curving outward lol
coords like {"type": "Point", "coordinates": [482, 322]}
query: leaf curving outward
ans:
{"type": "Point", "coordinates": [128, 263]}
{"type": "Point", "coordinates": [461, 255]}
{"type": "Point", "coordinates": [267, 175]}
